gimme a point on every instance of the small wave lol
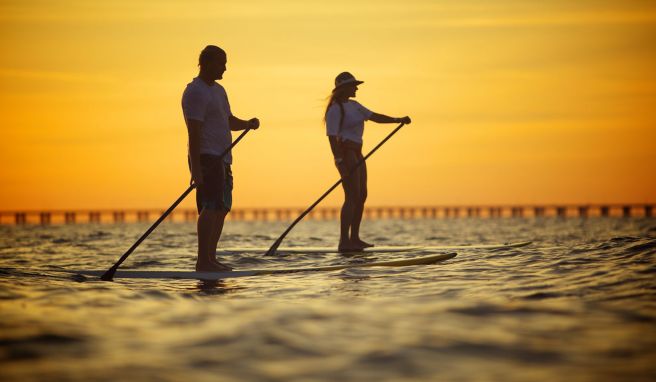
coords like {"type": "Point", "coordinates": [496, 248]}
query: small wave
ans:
{"type": "Point", "coordinates": [98, 234]}
{"type": "Point", "coordinates": [145, 263]}
{"type": "Point", "coordinates": [44, 338]}
{"type": "Point", "coordinates": [495, 310]}
{"type": "Point", "coordinates": [398, 360]}
{"type": "Point", "coordinates": [543, 295]}
{"type": "Point", "coordinates": [634, 316]}
{"type": "Point", "coordinates": [495, 351]}
{"type": "Point", "coordinates": [438, 238]}
{"type": "Point", "coordinates": [9, 295]}
{"type": "Point", "coordinates": [625, 239]}
{"type": "Point", "coordinates": [156, 294]}
{"type": "Point", "coordinates": [628, 296]}
{"type": "Point", "coordinates": [647, 271]}
{"type": "Point", "coordinates": [263, 237]}
{"type": "Point", "coordinates": [23, 272]}
{"type": "Point", "coordinates": [651, 244]}
{"type": "Point", "coordinates": [79, 278]}
{"type": "Point", "coordinates": [41, 346]}
{"type": "Point", "coordinates": [214, 341]}
{"type": "Point", "coordinates": [251, 260]}
{"type": "Point", "coordinates": [573, 262]}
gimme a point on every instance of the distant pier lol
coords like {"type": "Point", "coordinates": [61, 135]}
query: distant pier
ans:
{"type": "Point", "coordinates": [627, 210]}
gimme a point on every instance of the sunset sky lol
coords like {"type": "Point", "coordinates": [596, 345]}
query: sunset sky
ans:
{"type": "Point", "coordinates": [511, 101]}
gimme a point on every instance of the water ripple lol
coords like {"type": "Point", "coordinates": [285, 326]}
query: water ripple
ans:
{"type": "Point", "coordinates": [578, 302]}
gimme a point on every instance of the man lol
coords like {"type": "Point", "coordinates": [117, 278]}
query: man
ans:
{"type": "Point", "coordinates": [209, 122]}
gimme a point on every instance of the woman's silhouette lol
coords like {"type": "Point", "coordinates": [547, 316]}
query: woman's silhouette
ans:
{"type": "Point", "coordinates": [344, 126]}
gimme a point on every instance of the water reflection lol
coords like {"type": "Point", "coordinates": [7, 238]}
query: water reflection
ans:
{"type": "Point", "coordinates": [217, 287]}
{"type": "Point", "coordinates": [579, 302]}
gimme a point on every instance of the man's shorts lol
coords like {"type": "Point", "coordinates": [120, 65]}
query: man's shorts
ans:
{"type": "Point", "coordinates": [216, 191]}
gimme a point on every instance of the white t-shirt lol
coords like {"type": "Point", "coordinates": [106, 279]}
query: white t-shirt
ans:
{"type": "Point", "coordinates": [353, 123]}
{"type": "Point", "coordinates": [209, 104]}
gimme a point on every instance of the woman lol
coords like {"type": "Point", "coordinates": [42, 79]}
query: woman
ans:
{"type": "Point", "coordinates": [344, 120]}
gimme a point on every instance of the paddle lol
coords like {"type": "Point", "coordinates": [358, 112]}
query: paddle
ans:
{"type": "Point", "coordinates": [109, 275]}
{"type": "Point", "coordinates": [276, 244]}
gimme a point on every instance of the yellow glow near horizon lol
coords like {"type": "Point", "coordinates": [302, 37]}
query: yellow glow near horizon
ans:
{"type": "Point", "coordinates": [512, 102]}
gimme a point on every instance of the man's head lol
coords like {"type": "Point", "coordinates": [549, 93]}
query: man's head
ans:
{"type": "Point", "coordinates": [212, 62]}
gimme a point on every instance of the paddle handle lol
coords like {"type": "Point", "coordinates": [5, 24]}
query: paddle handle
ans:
{"type": "Point", "coordinates": [278, 241]}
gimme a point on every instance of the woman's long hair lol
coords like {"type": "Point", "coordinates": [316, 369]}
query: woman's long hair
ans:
{"type": "Point", "coordinates": [335, 97]}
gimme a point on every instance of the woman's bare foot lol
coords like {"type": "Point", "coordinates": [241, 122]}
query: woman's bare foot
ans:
{"type": "Point", "coordinates": [361, 243]}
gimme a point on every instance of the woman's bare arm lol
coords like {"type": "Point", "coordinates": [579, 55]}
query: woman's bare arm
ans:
{"type": "Point", "coordinates": [382, 118]}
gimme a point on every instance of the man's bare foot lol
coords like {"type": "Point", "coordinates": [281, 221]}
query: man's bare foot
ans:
{"type": "Point", "coordinates": [220, 265]}
{"type": "Point", "coordinates": [224, 267]}
{"type": "Point", "coordinates": [346, 247]}
{"type": "Point", "coordinates": [208, 266]}
{"type": "Point", "coordinates": [361, 243]}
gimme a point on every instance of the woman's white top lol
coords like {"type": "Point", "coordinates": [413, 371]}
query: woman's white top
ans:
{"type": "Point", "coordinates": [353, 123]}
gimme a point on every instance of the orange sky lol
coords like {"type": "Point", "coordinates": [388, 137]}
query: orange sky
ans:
{"type": "Point", "coordinates": [512, 101]}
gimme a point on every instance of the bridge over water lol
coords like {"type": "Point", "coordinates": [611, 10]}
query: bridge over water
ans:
{"type": "Point", "coordinates": [72, 216]}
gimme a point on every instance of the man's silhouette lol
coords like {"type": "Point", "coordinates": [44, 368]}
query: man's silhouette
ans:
{"type": "Point", "coordinates": [209, 122]}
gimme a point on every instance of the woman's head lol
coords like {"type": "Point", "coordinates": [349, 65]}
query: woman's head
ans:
{"type": "Point", "coordinates": [343, 93]}
{"type": "Point", "coordinates": [345, 86]}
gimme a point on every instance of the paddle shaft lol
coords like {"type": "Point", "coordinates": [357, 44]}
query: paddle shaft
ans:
{"type": "Point", "coordinates": [109, 275]}
{"type": "Point", "coordinates": [277, 243]}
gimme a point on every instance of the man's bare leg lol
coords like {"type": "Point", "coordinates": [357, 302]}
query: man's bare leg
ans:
{"type": "Point", "coordinates": [204, 228]}
{"type": "Point", "coordinates": [219, 219]}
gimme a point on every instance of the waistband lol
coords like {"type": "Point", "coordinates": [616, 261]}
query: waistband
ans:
{"type": "Point", "coordinates": [350, 145]}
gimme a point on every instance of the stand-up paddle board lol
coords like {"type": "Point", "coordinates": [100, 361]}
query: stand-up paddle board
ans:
{"type": "Point", "coordinates": [382, 249]}
{"type": "Point", "coordinates": [133, 274]}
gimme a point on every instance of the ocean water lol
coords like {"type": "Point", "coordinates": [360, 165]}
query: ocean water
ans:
{"type": "Point", "coordinates": [579, 304]}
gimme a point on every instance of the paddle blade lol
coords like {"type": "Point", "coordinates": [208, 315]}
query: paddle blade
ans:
{"type": "Point", "coordinates": [109, 275]}
{"type": "Point", "coordinates": [274, 247]}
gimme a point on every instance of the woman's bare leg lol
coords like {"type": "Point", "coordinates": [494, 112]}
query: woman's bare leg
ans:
{"type": "Point", "coordinates": [359, 209]}
{"type": "Point", "coordinates": [351, 186]}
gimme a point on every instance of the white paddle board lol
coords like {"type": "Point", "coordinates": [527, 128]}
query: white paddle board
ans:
{"type": "Point", "coordinates": [163, 274]}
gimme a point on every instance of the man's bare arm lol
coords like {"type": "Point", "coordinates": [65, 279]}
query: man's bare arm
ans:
{"type": "Point", "coordinates": [193, 129]}
{"type": "Point", "coordinates": [241, 124]}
